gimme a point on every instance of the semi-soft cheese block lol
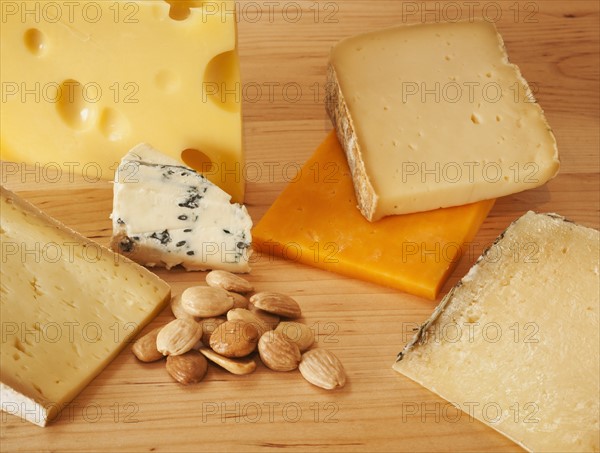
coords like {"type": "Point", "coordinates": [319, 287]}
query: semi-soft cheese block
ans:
{"type": "Point", "coordinates": [67, 305]}
{"type": "Point", "coordinates": [167, 214]}
{"type": "Point", "coordinates": [84, 81]}
{"type": "Point", "coordinates": [516, 344]}
{"type": "Point", "coordinates": [434, 115]}
{"type": "Point", "coordinates": [315, 221]}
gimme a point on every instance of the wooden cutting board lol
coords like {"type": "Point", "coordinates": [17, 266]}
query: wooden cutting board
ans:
{"type": "Point", "coordinates": [284, 47]}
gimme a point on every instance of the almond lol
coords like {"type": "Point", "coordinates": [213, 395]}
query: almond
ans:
{"type": "Point", "coordinates": [178, 310]}
{"type": "Point", "coordinates": [234, 339]}
{"type": "Point", "coordinates": [206, 302]}
{"type": "Point", "coordinates": [269, 319]}
{"type": "Point", "coordinates": [228, 281]}
{"type": "Point", "coordinates": [239, 301]}
{"type": "Point", "coordinates": [241, 314]}
{"type": "Point", "coordinates": [178, 337]}
{"type": "Point", "coordinates": [276, 303]}
{"type": "Point", "coordinates": [322, 368]}
{"type": "Point", "coordinates": [234, 366]}
{"type": "Point", "coordinates": [188, 368]}
{"type": "Point", "coordinates": [277, 353]}
{"type": "Point", "coordinates": [209, 325]}
{"type": "Point", "coordinates": [298, 333]}
{"type": "Point", "coordinates": [145, 349]}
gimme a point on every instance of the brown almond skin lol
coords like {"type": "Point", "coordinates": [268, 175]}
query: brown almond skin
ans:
{"type": "Point", "coordinates": [234, 339]}
{"type": "Point", "coordinates": [188, 368]}
{"type": "Point", "coordinates": [145, 349]}
{"type": "Point", "coordinates": [178, 336]}
{"type": "Point", "coordinates": [277, 353]}
{"type": "Point", "coordinates": [298, 333]}
{"type": "Point", "coordinates": [178, 310]}
{"type": "Point", "coordinates": [206, 301]}
{"type": "Point", "coordinates": [228, 281]}
{"type": "Point", "coordinates": [239, 301]}
{"type": "Point", "coordinates": [243, 314]}
{"type": "Point", "coordinates": [322, 368]}
{"type": "Point", "coordinates": [270, 319]}
{"type": "Point", "coordinates": [276, 303]}
{"type": "Point", "coordinates": [209, 325]}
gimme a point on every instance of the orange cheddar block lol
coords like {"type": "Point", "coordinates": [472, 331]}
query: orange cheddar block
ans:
{"type": "Point", "coordinates": [315, 221]}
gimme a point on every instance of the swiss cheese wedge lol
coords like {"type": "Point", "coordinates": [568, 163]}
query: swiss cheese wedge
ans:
{"type": "Point", "coordinates": [82, 82]}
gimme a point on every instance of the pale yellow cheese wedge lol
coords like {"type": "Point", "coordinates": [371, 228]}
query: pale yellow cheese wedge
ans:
{"type": "Point", "coordinates": [516, 344]}
{"type": "Point", "coordinates": [434, 115]}
{"type": "Point", "coordinates": [68, 306]}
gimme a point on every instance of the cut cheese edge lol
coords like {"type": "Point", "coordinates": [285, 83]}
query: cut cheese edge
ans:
{"type": "Point", "coordinates": [315, 221]}
{"type": "Point", "coordinates": [167, 214]}
{"type": "Point", "coordinates": [516, 343]}
{"type": "Point", "coordinates": [174, 81]}
{"type": "Point", "coordinates": [433, 116]}
{"type": "Point", "coordinates": [68, 306]}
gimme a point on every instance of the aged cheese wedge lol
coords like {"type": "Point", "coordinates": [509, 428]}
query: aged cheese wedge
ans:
{"type": "Point", "coordinates": [516, 344]}
{"type": "Point", "coordinates": [84, 81]}
{"type": "Point", "coordinates": [434, 115]}
{"type": "Point", "coordinates": [68, 306]}
{"type": "Point", "coordinates": [315, 221]}
{"type": "Point", "coordinates": [166, 214]}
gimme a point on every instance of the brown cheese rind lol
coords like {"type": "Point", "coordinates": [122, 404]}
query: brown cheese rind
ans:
{"type": "Point", "coordinates": [340, 117]}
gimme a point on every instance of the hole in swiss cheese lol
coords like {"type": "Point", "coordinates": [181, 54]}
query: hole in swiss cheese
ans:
{"type": "Point", "coordinates": [197, 160]}
{"type": "Point", "coordinates": [221, 81]}
{"type": "Point", "coordinates": [180, 9]}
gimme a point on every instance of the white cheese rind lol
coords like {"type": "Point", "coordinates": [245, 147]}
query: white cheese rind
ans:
{"type": "Point", "coordinates": [516, 343]}
{"type": "Point", "coordinates": [67, 305]}
{"type": "Point", "coordinates": [22, 406]}
{"type": "Point", "coordinates": [166, 214]}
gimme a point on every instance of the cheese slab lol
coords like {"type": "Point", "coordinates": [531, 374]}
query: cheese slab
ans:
{"type": "Point", "coordinates": [315, 221]}
{"type": "Point", "coordinates": [516, 344]}
{"type": "Point", "coordinates": [167, 214]}
{"type": "Point", "coordinates": [83, 82]}
{"type": "Point", "coordinates": [67, 305]}
{"type": "Point", "coordinates": [434, 115]}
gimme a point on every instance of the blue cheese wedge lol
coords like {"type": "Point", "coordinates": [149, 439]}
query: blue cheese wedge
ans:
{"type": "Point", "coordinates": [166, 214]}
{"type": "Point", "coordinates": [516, 343]}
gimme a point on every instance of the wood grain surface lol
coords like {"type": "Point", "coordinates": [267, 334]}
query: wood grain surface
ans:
{"type": "Point", "coordinates": [132, 406]}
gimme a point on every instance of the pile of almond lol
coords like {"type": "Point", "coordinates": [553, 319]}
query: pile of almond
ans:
{"type": "Point", "coordinates": [220, 323]}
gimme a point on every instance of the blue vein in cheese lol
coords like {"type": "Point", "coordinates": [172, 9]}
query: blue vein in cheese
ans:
{"type": "Point", "coordinates": [166, 214]}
